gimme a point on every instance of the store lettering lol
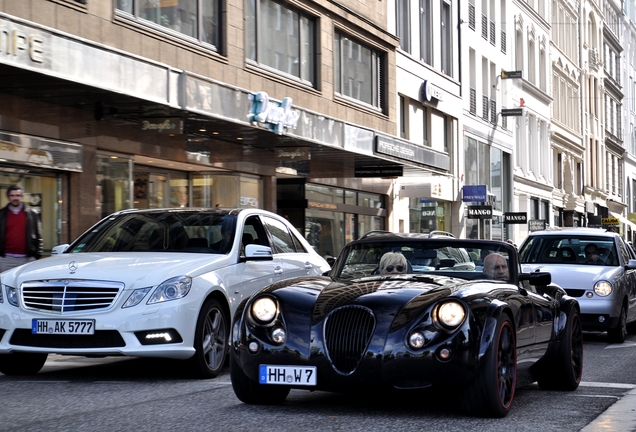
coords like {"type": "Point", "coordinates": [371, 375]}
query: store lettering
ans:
{"type": "Point", "coordinates": [278, 117]}
{"type": "Point", "coordinates": [320, 205]}
{"type": "Point", "coordinates": [15, 41]}
{"type": "Point", "coordinates": [395, 148]}
{"type": "Point", "coordinates": [291, 155]}
{"type": "Point", "coordinates": [9, 147]}
{"type": "Point", "coordinates": [165, 125]}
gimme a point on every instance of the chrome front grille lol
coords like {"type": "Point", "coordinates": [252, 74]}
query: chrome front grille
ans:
{"type": "Point", "coordinates": [347, 333]}
{"type": "Point", "coordinates": [69, 296]}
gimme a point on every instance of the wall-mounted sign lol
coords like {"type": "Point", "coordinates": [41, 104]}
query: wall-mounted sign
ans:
{"type": "Point", "coordinates": [480, 212]}
{"type": "Point", "coordinates": [429, 212]}
{"type": "Point", "coordinates": [168, 125]}
{"type": "Point", "coordinates": [511, 74]}
{"type": "Point", "coordinates": [515, 218]}
{"type": "Point", "coordinates": [474, 193]}
{"type": "Point", "coordinates": [379, 171]}
{"type": "Point", "coordinates": [277, 116]}
{"type": "Point", "coordinates": [536, 225]}
{"type": "Point", "coordinates": [293, 153]}
{"type": "Point", "coordinates": [511, 112]}
{"type": "Point", "coordinates": [610, 221]}
{"type": "Point", "coordinates": [430, 92]}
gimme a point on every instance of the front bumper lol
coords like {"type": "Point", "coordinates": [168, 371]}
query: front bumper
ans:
{"type": "Point", "coordinates": [599, 313]}
{"type": "Point", "coordinates": [117, 331]}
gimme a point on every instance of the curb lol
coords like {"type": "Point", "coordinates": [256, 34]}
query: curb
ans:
{"type": "Point", "coordinates": [620, 417]}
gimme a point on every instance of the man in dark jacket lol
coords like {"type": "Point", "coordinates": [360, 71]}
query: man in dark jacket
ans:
{"type": "Point", "coordinates": [20, 232]}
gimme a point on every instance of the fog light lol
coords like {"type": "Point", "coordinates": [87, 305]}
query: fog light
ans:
{"type": "Point", "coordinates": [601, 319]}
{"type": "Point", "coordinates": [589, 294]}
{"type": "Point", "coordinates": [444, 353]}
{"type": "Point", "coordinates": [158, 337]}
{"type": "Point", "coordinates": [279, 335]}
{"type": "Point", "coordinates": [416, 340]}
{"type": "Point", "coordinates": [253, 346]}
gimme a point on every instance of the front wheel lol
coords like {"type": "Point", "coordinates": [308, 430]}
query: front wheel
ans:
{"type": "Point", "coordinates": [18, 363]}
{"type": "Point", "coordinates": [492, 392]}
{"type": "Point", "coordinates": [251, 392]}
{"type": "Point", "coordinates": [618, 333]}
{"type": "Point", "coordinates": [210, 340]}
{"type": "Point", "coordinates": [564, 371]}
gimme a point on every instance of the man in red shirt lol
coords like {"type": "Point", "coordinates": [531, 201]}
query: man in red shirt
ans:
{"type": "Point", "coordinates": [20, 232]}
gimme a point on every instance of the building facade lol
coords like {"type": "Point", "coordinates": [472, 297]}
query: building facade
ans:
{"type": "Point", "coordinates": [289, 107]}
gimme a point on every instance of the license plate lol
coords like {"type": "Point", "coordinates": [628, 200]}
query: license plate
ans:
{"type": "Point", "coordinates": [49, 326]}
{"type": "Point", "coordinates": [287, 375]}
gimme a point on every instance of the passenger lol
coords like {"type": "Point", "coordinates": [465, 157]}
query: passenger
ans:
{"type": "Point", "coordinates": [496, 266]}
{"type": "Point", "coordinates": [393, 263]}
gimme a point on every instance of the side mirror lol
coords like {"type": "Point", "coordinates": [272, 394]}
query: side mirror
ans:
{"type": "Point", "coordinates": [536, 278]}
{"type": "Point", "coordinates": [631, 264]}
{"type": "Point", "coordinates": [331, 261]}
{"type": "Point", "coordinates": [257, 252]}
{"type": "Point", "coordinates": [59, 249]}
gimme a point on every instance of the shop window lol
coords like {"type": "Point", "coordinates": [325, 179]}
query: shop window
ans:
{"type": "Point", "coordinates": [358, 71]}
{"type": "Point", "coordinates": [281, 38]}
{"type": "Point", "coordinates": [370, 200]}
{"type": "Point", "coordinates": [226, 191]}
{"type": "Point", "coordinates": [193, 18]}
{"type": "Point", "coordinates": [323, 193]}
{"type": "Point", "coordinates": [112, 189]}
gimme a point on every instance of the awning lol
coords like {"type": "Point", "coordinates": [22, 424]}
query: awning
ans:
{"type": "Point", "coordinates": [624, 220]}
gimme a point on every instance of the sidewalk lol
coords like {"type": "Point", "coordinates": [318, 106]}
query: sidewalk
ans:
{"type": "Point", "coordinates": [620, 417]}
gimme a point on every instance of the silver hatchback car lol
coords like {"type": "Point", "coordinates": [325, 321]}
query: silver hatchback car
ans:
{"type": "Point", "coordinates": [595, 266]}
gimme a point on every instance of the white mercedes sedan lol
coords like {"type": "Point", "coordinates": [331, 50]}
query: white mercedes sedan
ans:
{"type": "Point", "coordinates": [148, 283]}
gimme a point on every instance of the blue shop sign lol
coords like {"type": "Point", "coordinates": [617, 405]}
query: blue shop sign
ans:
{"type": "Point", "coordinates": [474, 193]}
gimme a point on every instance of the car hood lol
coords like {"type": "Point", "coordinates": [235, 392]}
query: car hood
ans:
{"type": "Point", "coordinates": [133, 269]}
{"type": "Point", "coordinates": [582, 276]}
{"type": "Point", "coordinates": [399, 298]}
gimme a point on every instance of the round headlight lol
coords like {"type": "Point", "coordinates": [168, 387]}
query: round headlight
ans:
{"type": "Point", "coordinates": [264, 309]}
{"type": "Point", "coordinates": [451, 314]}
{"type": "Point", "coordinates": [603, 288]}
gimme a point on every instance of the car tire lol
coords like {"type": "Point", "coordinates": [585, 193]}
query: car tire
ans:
{"type": "Point", "coordinates": [250, 392]}
{"type": "Point", "coordinates": [618, 333]}
{"type": "Point", "coordinates": [210, 340]}
{"type": "Point", "coordinates": [565, 369]}
{"type": "Point", "coordinates": [492, 392]}
{"type": "Point", "coordinates": [18, 363]}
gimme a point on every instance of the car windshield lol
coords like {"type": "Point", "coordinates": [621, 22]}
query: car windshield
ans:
{"type": "Point", "coordinates": [169, 231]}
{"type": "Point", "coordinates": [455, 258]}
{"type": "Point", "coordinates": [569, 249]}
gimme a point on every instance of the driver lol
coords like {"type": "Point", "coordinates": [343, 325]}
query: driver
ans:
{"type": "Point", "coordinates": [496, 266]}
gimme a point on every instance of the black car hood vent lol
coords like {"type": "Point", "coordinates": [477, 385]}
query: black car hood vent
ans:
{"type": "Point", "coordinates": [347, 334]}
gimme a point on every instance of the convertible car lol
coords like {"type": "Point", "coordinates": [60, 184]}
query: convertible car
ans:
{"type": "Point", "coordinates": [439, 320]}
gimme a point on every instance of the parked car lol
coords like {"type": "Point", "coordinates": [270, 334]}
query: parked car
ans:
{"type": "Point", "coordinates": [443, 324]}
{"type": "Point", "coordinates": [605, 287]}
{"type": "Point", "coordinates": [148, 283]}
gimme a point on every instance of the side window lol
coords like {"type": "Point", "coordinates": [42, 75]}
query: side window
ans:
{"type": "Point", "coordinates": [282, 239]}
{"type": "Point", "coordinates": [297, 244]}
{"type": "Point", "coordinates": [254, 233]}
{"type": "Point", "coordinates": [624, 252]}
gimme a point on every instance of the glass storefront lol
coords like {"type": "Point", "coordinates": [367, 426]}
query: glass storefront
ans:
{"type": "Point", "coordinates": [329, 216]}
{"type": "Point", "coordinates": [112, 190]}
{"type": "Point", "coordinates": [41, 192]}
{"type": "Point", "coordinates": [426, 215]}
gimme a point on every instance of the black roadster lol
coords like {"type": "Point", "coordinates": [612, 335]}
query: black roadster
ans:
{"type": "Point", "coordinates": [454, 314]}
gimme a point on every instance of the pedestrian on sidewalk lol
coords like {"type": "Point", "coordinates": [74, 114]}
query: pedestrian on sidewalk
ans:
{"type": "Point", "coordinates": [20, 232]}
